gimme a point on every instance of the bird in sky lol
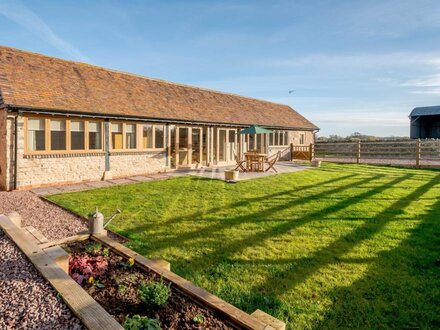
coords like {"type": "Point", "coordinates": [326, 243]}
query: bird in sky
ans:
{"type": "Point", "coordinates": [291, 91]}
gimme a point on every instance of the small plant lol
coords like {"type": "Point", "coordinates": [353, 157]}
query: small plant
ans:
{"type": "Point", "coordinates": [122, 288]}
{"type": "Point", "coordinates": [106, 252]}
{"type": "Point", "coordinates": [129, 264]}
{"type": "Point", "coordinates": [83, 267]}
{"type": "Point", "coordinates": [154, 294]}
{"type": "Point", "coordinates": [137, 322]}
{"type": "Point", "coordinates": [96, 283]}
{"type": "Point", "coordinates": [199, 319]}
{"type": "Point", "coordinates": [93, 247]}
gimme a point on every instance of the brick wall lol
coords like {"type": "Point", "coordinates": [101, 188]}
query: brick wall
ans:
{"type": "Point", "coordinates": [45, 170]}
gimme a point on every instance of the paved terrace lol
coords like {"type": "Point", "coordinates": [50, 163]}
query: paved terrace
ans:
{"type": "Point", "coordinates": [216, 173]}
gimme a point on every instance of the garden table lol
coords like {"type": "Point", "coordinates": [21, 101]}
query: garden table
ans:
{"type": "Point", "coordinates": [255, 161]}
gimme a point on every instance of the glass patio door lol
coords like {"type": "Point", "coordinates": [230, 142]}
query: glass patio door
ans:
{"type": "Point", "coordinates": [227, 145]}
{"type": "Point", "coordinates": [196, 146]}
{"type": "Point", "coordinates": [183, 146]}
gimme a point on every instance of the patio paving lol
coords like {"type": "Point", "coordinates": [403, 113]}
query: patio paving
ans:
{"type": "Point", "coordinates": [216, 173]}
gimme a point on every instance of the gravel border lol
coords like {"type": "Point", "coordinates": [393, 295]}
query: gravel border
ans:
{"type": "Point", "coordinates": [52, 221]}
{"type": "Point", "coordinates": [27, 301]}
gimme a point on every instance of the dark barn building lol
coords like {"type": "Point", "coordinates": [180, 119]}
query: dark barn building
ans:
{"type": "Point", "coordinates": [425, 122]}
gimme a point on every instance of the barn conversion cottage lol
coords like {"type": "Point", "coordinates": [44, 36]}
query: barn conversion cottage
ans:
{"type": "Point", "coordinates": [64, 122]}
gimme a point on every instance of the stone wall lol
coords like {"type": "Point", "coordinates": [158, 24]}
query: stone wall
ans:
{"type": "Point", "coordinates": [46, 170]}
{"type": "Point", "coordinates": [293, 137]}
{"type": "Point", "coordinates": [51, 169]}
{"type": "Point", "coordinates": [3, 150]}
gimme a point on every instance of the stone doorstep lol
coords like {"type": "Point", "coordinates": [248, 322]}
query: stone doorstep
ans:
{"type": "Point", "coordinates": [45, 191]}
{"type": "Point", "coordinates": [73, 187]}
{"type": "Point", "coordinates": [98, 184]}
{"type": "Point", "coordinates": [120, 181]}
{"type": "Point", "coordinates": [159, 176]}
{"type": "Point", "coordinates": [60, 256]}
{"type": "Point", "coordinates": [141, 178]}
{"type": "Point", "coordinates": [269, 320]}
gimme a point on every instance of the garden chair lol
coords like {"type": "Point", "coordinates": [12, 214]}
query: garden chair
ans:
{"type": "Point", "coordinates": [272, 160]}
{"type": "Point", "coordinates": [240, 164]}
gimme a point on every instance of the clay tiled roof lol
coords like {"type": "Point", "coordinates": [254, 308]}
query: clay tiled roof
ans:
{"type": "Point", "coordinates": [35, 81]}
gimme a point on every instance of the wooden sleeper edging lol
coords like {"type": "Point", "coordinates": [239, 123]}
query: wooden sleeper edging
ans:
{"type": "Point", "coordinates": [92, 314]}
{"type": "Point", "coordinates": [229, 311]}
{"type": "Point", "coordinates": [51, 261]}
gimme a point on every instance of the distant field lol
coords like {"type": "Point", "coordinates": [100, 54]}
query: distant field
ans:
{"type": "Point", "coordinates": [343, 246]}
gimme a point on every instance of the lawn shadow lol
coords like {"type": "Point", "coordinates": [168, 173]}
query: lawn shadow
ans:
{"type": "Point", "coordinates": [187, 237]}
{"type": "Point", "coordinates": [303, 268]}
{"type": "Point", "coordinates": [404, 282]}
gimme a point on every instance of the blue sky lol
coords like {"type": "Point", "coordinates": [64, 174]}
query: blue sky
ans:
{"type": "Point", "coordinates": [353, 65]}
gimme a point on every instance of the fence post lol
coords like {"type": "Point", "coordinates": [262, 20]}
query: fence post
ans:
{"type": "Point", "coordinates": [418, 153]}
{"type": "Point", "coordinates": [291, 151]}
{"type": "Point", "coordinates": [358, 153]}
{"type": "Point", "coordinates": [311, 151]}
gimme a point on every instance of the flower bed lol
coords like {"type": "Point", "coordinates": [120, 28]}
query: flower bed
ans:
{"type": "Point", "coordinates": [126, 291]}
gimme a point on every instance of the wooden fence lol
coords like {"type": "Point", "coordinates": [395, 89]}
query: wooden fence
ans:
{"type": "Point", "coordinates": [401, 152]}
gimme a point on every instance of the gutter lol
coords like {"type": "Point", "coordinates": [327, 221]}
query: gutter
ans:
{"type": "Point", "coordinates": [135, 118]}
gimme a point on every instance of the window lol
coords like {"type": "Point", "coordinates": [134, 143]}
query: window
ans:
{"type": "Point", "coordinates": [147, 136]}
{"type": "Point", "coordinates": [55, 135]}
{"type": "Point", "coordinates": [77, 135]}
{"type": "Point", "coordinates": [159, 136]}
{"type": "Point", "coordinates": [95, 136]}
{"type": "Point", "coordinates": [36, 134]}
{"type": "Point", "coordinates": [130, 136]}
{"type": "Point", "coordinates": [302, 139]}
{"type": "Point", "coordinates": [58, 135]}
{"type": "Point", "coordinates": [279, 138]}
{"type": "Point", "coordinates": [117, 136]}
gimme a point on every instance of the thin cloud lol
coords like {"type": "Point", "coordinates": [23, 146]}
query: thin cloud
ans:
{"type": "Point", "coordinates": [359, 60]}
{"type": "Point", "coordinates": [376, 118]}
{"type": "Point", "coordinates": [435, 91]}
{"type": "Point", "coordinates": [22, 15]}
{"type": "Point", "coordinates": [429, 81]}
{"type": "Point", "coordinates": [427, 85]}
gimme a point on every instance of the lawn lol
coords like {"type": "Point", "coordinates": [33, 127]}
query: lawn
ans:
{"type": "Point", "coordinates": [343, 246]}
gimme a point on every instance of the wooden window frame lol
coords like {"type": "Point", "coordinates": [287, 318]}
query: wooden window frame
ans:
{"type": "Point", "coordinates": [139, 142]}
{"type": "Point", "coordinates": [87, 138]}
{"type": "Point", "coordinates": [47, 130]}
{"type": "Point", "coordinates": [282, 135]}
{"type": "Point", "coordinates": [136, 136]}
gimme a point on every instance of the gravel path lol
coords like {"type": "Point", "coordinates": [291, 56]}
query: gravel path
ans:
{"type": "Point", "coordinates": [52, 221]}
{"type": "Point", "coordinates": [27, 301]}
